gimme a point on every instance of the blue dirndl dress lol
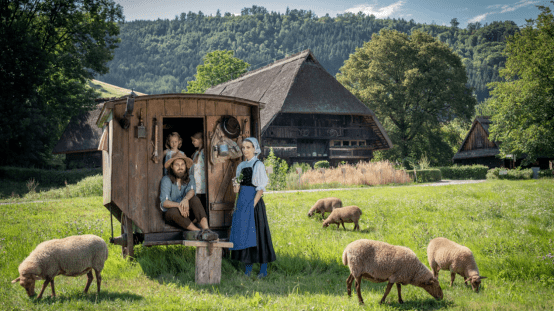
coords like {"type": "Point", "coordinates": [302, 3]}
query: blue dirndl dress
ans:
{"type": "Point", "coordinates": [250, 233]}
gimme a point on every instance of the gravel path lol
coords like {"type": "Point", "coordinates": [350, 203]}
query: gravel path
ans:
{"type": "Point", "coordinates": [443, 182]}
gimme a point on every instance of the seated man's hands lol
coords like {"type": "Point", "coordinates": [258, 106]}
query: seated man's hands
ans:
{"type": "Point", "coordinates": [184, 207]}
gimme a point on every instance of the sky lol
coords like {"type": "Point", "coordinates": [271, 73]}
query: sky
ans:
{"type": "Point", "coordinates": [440, 12]}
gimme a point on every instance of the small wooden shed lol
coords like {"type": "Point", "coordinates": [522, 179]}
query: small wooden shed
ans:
{"type": "Point", "coordinates": [477, 148]}
{"type": "Point", "coordinates": [132, 172]}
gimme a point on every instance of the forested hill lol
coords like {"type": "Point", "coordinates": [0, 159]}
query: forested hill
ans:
{"type": "Point", "coordinates": [161, 56]}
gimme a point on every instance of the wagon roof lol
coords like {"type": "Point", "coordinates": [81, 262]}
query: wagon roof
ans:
{"type": "Point", "coordinates": [297, 84]}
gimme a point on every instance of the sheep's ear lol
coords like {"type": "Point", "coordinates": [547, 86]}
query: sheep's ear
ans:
{"type": "Point", "coordinates": [482, 277]}
{"type": "Point", "coordinates": [468, 279]}
{"type": "Point", "coordinates": [16, 280]}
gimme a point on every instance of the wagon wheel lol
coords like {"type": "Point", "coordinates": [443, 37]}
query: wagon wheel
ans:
{"type": "Point", "coordinates": [127, 228]}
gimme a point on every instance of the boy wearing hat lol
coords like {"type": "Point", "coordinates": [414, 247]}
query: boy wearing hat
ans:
{"type": "Point", "coordinates": [178, 201]}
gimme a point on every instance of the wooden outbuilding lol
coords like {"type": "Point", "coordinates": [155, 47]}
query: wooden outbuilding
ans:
{"type": "Point", "coordinates": [133, 160]}
{"type": "Point", "coordinates": [308, 115]}
{"type": "Point", "coordinates": [477, 148]}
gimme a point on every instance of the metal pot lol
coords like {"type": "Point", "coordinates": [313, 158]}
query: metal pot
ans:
{"type": "Point", "coordinates": [223, 149]}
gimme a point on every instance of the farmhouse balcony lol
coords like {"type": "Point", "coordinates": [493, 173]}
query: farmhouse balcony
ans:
{"type": "Point", "coordinates": [316, 132]}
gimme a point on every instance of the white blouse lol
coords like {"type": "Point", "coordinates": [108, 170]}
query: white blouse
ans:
{"type": "Point", "coordinates": [259, 176]}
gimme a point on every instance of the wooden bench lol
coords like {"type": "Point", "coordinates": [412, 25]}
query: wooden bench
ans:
{"type": "Point", "coordinates": [208, 258]}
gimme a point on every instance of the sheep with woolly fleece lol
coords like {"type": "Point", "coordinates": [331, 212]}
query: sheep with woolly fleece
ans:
{"type": "Point", "coordinates": [325, 205]}
{"type": "Point", "coordinates": [380, 262]}
{"type": "Point", "coordinates": [348, 214]}
{"type": "Point", "coordinates": [445, 254]}
{"type": "Point", "coordinates": [70, 256]}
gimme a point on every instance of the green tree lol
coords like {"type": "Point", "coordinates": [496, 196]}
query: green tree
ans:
{"type": "Point", "coordinates": [413, 83]}
{"type": "Point", "coordinates": [524, 103]}
{"type": "Point", "coordinates": [218, 66]}
{"type": "Point", "coordinates": [48, 51]}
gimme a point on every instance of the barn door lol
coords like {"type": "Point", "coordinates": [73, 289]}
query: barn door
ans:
{"type": "Point", "coordinates": [221, 198]}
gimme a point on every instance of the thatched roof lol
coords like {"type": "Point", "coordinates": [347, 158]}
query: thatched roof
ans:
{"type": "Point", "coordinates": [298, 84]}
{"type": "Point", "coordinates": [81, 134]}
{"type": "Point", "coordinates": [485, 122]}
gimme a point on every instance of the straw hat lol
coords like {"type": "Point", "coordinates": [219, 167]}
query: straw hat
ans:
{"type": "Point", "coordinates": [176, 156]}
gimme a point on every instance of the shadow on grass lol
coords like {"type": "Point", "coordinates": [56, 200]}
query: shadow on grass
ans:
{"type": "Point", "coordinates": [91, 297]}
{"type": "Point", "coordinates": [290, 274]}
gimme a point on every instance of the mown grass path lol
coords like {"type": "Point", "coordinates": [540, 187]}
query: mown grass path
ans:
{"type": "Point", "coordinates": [508, 225]}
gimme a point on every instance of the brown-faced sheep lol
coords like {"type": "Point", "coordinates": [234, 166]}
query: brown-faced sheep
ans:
{"type": "Point", "coordinates": [348, 214]}
{"type": "Point", "coordinates": [445, 254]}
{"type": "Point", "coordinates": [325, 205]}
{"type": "Point", "coordinates": [381, 262]}
{"type": "Point", "coordinates": [70, 256]}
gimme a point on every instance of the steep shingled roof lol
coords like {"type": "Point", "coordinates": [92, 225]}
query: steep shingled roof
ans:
{"type": "Point", "coordinates": [485, 122]}
{"type": "Point", "coordinates": [81, 134]}
{"type": "Point", "coordinates": [298, 84]}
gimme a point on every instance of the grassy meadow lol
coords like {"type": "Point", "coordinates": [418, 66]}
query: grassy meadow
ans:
{"type": "Point", "coordinates": [509, 226]}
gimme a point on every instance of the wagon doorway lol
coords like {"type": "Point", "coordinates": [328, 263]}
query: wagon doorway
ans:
{"type": "Point", "coordinates": [186, 128]}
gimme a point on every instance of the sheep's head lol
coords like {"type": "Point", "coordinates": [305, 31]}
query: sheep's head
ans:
{"type": "Point", "coordinates": [27, 281]}
{"type": "Point", "coordinates": [433, 288]}
{"type": "Point", "coordinates": [312, 211]}
{"type": "Point", "coordinates": [325, 223]}
{"type": "Point", "coordinates": [475, 281]}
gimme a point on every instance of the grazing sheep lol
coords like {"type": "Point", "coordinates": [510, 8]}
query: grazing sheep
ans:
{"type": "Point", "coordinates": [325, 205]}
{"type": "Point", "coordinates": [346, 214]}
{"type": "Point", "coordinates": [445, 254]}
{"type": "Point", "coordinates": [70, 256]}
{"type": "Point", "coordinates": [379, 262]}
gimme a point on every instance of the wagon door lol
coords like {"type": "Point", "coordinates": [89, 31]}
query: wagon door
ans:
{"type": "Point", "coordinates": [221, 198]}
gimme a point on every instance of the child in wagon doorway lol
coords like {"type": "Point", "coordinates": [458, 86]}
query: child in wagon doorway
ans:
{"type": "Point", "coordinates": [250, 233]}
{"type": "Point", "coordinates": [198, 169]}
{"type": "Point", "coordinates": [173, 143]}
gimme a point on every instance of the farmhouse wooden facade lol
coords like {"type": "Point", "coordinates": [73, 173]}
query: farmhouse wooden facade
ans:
{"type": "Point", "coordinates": [308, 116]}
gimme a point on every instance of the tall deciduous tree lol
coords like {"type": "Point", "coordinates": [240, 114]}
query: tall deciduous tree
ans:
{"type": "Point", "coordinates": [218, 66]}
{"type": "Point", "coordinates": [524, 103]}
{"type": "Point", "coordinates": [48, 50]}
{"type": "Point", "coordinates": [413, 84]}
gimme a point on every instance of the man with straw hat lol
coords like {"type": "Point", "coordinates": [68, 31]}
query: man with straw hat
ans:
{"type": "Point", "coordinates": [178, 201]}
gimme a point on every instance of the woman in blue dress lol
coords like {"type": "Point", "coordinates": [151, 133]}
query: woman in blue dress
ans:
{"type": "Point", "coordinates": [250, 233]}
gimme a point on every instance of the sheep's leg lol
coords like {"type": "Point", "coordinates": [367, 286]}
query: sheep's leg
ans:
{"type": "Point", "coordinates": [452, 277]}
{"type": "Point", "coordinates": [356, 226]}
{"type": "Point", "coordinates": [343, 225]}
{"type": "Point", "coordinates": [98, 279]}
{"type": "Point", "coordinates": [89, 280]}
{"type": "Point", "coordinates": [52, 285]}
{"type": "Point", "coordinates": [359, 289]}
{"type": "Point", "coordinates": [349, 284]}
{"type": "Point", "coordinates": [399, 287]}
{"type": "Point", "coordinates": [436, 270]}
{"type": "Point", "coordinates": [46, 282]}
{"type": "Point", "coordinates": [387, 291]}
{"type": "Point", "coordinates": [338, 226]}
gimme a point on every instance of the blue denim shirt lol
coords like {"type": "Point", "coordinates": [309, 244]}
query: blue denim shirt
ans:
{"type": "Point", "coordinates": [170, 191]}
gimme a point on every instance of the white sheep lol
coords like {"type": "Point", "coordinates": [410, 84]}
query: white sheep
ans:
{"type": "Point", "coordinates": [445, 254]}
{"type": "Point", "coordinates": [380, 262]}
{"type": "Point", "coordinates": [325, 205]}
{"type": "Point", "coordinates": [348, 214]}
{"type": "Point", "coordinates": [70, 256]}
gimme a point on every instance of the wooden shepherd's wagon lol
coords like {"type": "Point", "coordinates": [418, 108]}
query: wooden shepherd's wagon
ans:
{"type": "Point", "coordinates": [132, 144]}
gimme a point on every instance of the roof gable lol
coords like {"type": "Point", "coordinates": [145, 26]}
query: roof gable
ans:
{"type": "Point", "coordinates": [81, 134]}
{"type": "Point", "coordinates": [480, 122]}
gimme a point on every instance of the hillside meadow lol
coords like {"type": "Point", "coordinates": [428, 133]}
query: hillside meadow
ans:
{"type": "Point", "coordinates": [509, 226]}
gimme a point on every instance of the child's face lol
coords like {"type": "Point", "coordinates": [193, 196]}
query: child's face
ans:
{"type": "Point", "coordinates": [174, 143]}
{"type": "Point", "coordinates": [197, 142]}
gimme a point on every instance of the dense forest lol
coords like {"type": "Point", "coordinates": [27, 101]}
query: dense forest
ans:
{"type": "Point", "coordinates": [161, 56]}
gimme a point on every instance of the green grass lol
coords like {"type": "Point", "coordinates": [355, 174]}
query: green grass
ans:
{"type": "Point", "coordinates": [509, 226]}
{"type": "Point", "coordinates": [107, 90]}
{"type": "Point", "coordinates": [13, 191]}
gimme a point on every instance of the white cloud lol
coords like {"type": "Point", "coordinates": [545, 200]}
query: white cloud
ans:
{"type": "Point", "coordinates": [507, 8]}
{"type": "Point", "coordinates": [383, 12]}
{"type": "Point", "coordinates": [479, 18]}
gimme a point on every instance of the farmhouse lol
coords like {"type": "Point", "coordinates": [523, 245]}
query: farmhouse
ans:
{"type": "Point", "coordinates": [308, 116]}
{"type": "Point", "coordinates": [79, 141]}
{"type": "Point", "coordinates": [477, 148]}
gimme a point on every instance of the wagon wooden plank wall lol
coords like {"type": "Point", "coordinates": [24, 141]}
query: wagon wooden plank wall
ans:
{"type": "Point", "coordinates": [132, 178]}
